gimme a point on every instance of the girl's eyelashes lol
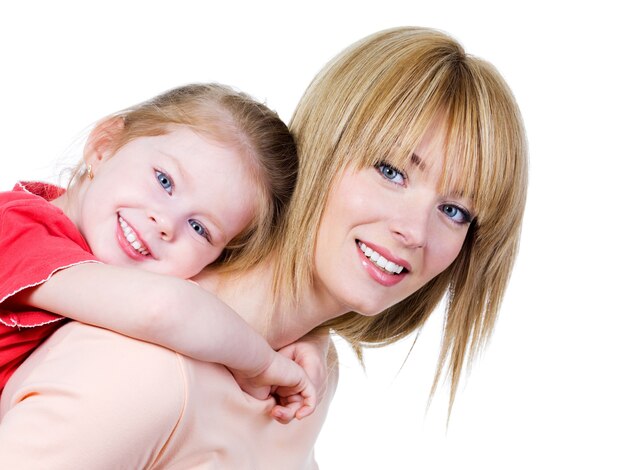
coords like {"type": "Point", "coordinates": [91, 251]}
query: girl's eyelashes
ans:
{"type": "Point", "coordinates": [456, 213]}
{"type": "Point", "coordinates": [167, 184]}
{"type": "Point", "coordinates": [200, 229]}
{"type": "Point", "coordinates": [165, 181]}
{"type": "Point", "coordinates": [391, 173]}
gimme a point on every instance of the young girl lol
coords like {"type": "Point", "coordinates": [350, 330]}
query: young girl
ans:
{"type": "Point", "coordinates": [197, 175]}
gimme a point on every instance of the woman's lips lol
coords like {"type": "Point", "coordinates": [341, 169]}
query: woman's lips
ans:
{"type": "Point", "coordinates": [385, 271]}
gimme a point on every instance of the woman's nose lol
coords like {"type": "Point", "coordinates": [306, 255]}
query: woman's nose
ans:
{"type": "Point", "coordinates": [410, 226]}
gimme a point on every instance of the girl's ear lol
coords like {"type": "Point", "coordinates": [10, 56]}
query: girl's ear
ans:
{"type": "Point", "coordinates": [101, 141]}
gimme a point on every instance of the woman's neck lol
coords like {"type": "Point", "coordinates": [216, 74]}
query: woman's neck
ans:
{"type": "Point", "coordinates": [250, 295]}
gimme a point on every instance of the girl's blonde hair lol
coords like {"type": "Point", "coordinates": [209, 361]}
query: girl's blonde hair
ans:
{"type": "Point", "coordinates": [235, 119]}
{"type": "Point", "coordinates": [374, 102]}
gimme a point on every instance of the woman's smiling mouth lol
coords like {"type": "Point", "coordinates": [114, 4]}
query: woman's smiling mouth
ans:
{"type": "Point", "coordinates": [382, 270]}
{"type": "Point", "coordinates": [380, 261]}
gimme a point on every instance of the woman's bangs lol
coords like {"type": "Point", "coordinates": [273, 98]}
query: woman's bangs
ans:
{"type": "Point", "coordinates": [396, 139]}
{"type": "Point", "coordinates": [462, 166]}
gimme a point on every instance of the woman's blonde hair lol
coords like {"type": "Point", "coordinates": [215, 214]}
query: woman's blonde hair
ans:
{"type": "Point", "coordinates": [235, 119]}
{"type": "Point", "coordinates": [374, 102]}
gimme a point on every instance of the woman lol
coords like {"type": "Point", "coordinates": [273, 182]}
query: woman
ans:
{"type": "Point", "coordinates": [411, 186]}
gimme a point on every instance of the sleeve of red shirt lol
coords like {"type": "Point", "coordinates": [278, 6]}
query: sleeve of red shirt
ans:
{"type": "Point", "coordinates": [36, 240]}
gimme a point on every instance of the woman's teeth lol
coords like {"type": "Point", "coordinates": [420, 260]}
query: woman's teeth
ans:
{"type": "Point", "coordinates": [380, 260]}
{"type": "Point", "coordinates": [131, 237]}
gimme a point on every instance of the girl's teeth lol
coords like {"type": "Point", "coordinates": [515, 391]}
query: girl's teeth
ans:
{"type": "Point", "coordinates": [379, 260]}
{"type": "Point", "coordinates": [131, 237]}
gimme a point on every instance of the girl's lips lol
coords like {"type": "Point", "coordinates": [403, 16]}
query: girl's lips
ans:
{"type": "Point", "coordinates": [382, 277]}
{"type": "Point", "coordinates": [128, 248]}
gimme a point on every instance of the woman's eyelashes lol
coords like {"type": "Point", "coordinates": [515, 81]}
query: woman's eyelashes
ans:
{"type": "Point", "coordinates": [455, 213]}
{"type": "Point", "coordinates": [165, 181]}
{"type": "Point", "coordinates": [200, 229]}
{"type": "Point", "coordinates": [391, 173]}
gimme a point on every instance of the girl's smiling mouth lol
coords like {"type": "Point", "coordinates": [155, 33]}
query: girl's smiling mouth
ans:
{"type": "Point", "coordinates": [130, 240]}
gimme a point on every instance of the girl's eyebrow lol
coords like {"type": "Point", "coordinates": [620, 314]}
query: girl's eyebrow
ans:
{"type": "Point", "coordinates": [180, 173]}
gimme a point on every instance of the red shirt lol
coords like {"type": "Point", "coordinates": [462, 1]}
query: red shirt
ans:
{"type": "Point", "coordinates": [36, 240]}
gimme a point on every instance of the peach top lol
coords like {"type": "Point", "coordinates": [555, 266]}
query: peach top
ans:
{"type": "Point", "coordinates": [91, 398]}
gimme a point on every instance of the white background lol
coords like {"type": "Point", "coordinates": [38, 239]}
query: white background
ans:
{"type": "Point", "coordinates": [549, 391]}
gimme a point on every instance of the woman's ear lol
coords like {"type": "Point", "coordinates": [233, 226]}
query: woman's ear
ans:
{"type": "Point", "coordinates": [100, 144]}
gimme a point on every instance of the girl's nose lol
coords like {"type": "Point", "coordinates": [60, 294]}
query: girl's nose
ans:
{"type": "Point", "coordinates": [163, 225]}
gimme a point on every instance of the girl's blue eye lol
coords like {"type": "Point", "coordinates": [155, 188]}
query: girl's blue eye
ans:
{"type": "Point", "coordinates": [200, 229]}
{"type": "Point", "coordinates": [456, 214]}
{"type": "Point", "coordinates": [164, 180]}
{"type": "Point", "coordinates": [391, 173]}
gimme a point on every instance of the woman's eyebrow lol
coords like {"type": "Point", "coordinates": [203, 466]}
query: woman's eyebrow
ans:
{"type": "Point", "coordinates": [417, 161]}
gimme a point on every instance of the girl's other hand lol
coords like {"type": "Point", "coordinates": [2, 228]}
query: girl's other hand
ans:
{"type": "Point", "coordinates": [287, 382]}
{"type": "Point", "coordinates": [310, 352]}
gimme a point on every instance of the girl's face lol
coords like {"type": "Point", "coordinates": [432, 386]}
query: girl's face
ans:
{"type": "Point", "coordinates": [168, 204]}
{"type": "Point", "coordinates": [387, 231]}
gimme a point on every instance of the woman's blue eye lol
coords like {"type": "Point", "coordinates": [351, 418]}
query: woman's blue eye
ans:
{"type": "Point", "coordinates": [200, 229]}
{"type": "Point", "coordinates": [458, 215]}
{"type": "Point", "coordinates": [391, 173]}
{"type": "Point", "coordinates": [164, 180]}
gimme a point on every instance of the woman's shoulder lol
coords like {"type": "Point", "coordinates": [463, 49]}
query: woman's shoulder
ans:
{"type": "Point", "coordinates": [102, 355]}
{"type": "Point", "coordinates": [99, 391]}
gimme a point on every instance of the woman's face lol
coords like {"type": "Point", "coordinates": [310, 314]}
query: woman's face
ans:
{"type": "Point", "coordinates": [387, 231]}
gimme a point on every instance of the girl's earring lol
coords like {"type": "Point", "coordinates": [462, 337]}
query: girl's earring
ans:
{"type": "Point", "coordinates": [89, 172]}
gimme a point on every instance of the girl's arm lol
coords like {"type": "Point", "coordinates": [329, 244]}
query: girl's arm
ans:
{"type": "Point", "coordinates": [171, 312]}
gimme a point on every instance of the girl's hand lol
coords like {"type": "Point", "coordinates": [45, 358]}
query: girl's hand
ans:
{"type": "Point", "coordinates": [311, 353]}
{"type": "Point", "coordinates": [287, 382]}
